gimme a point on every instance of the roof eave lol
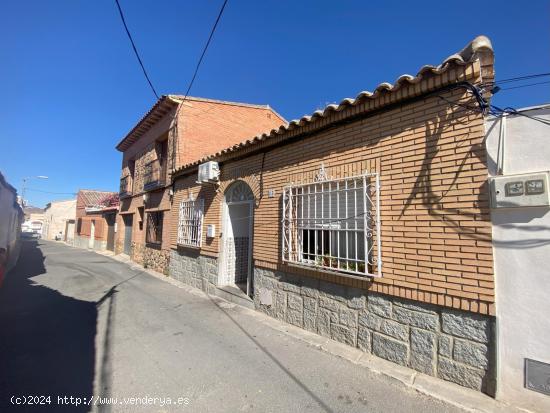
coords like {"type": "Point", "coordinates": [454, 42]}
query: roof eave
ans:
{"type": "Point", "coordinates": [159, 109]}
{"type": "Point", "coordinates": [478, 49]}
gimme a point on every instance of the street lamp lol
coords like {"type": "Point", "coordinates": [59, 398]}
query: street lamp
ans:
{"type": "Point", "coordinates": [24, 188]}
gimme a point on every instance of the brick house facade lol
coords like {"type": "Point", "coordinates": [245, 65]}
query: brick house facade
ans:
{"type": "Point", "coordinates": [96, 213]}
{"type": "Point", "coordinates": [426, 296]}
{"type": "Point", "coordinates": [174, 132]}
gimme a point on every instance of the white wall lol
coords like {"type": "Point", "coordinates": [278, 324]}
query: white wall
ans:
{"type": "Point", "coordinates": [521, 242]}
{"type": "Point", "coordinates": [56, 216]}
{"type": "Point", "coordinates": [10, 225]}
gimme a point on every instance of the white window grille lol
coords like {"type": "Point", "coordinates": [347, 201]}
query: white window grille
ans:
{"type": "Point", "coordinates": [333, 224]}
{"type": "Point", "coordinates": [191, 216]}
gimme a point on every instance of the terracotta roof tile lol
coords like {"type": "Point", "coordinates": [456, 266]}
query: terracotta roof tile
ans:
{"type": "Point", "coordinates": [167, 102]}
{"type": "Point", "coordinates": [479, 46]}
{"type": "Point", "coordinates": [91, 198]}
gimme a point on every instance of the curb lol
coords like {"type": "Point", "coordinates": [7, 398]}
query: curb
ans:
{"type": "Point", "coordinates": [444, 391]}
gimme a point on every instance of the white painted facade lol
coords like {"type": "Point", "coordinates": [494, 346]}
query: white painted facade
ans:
{"type": "Point", "coordinates": [56, 217]}
{"type": "Point", "coordinates": [521, 245]}
{"type": "Point", "coordinates": [11, 216]}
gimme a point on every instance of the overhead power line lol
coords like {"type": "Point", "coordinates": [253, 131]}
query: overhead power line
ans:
{"type": "Point", "coordinates": [49, 192]}
{"type": "Point", "coordinates": [135, 49]}
{"type": "Point", "coordinates": [493, 110]}
{"type": "Point", "coordinates": [519, 78]}
{"type": "Point", "coordinates": [212, 31]}
{"type": "Point", "coordinates": [204, 50]}
{"type": "Point", "coordinates": [527, 85]}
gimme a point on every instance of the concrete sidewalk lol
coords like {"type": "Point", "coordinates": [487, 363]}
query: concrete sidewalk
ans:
{"type": "Point", "coordinates": [450, 393]}
{"type": "Point", "coordinates": [76, 323]}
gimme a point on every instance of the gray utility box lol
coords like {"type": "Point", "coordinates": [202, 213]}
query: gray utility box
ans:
{"type": "Point", "coordinates": [516, 191]}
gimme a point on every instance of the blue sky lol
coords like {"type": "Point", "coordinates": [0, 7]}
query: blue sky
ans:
{"type": "Point", "coordinates": [71, 86]}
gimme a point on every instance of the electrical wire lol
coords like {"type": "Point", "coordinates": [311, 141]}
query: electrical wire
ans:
{"type": "Point", "coordinates": [517, 79]}
{"type": "Point", "coordinates": [135, 49]}
{"type": "Point", "coordinates": [212, 31]}
{"type": "Point", "coordinates": [492, 109]}
{"type": "Point", "coordinates": [511, 111]}
{"type": "Point", "coordinates": [49, 192]}
{"type": "Point", "coordinates": [205, 49]}
{"type": "Point", "coordinates": [519, 87]}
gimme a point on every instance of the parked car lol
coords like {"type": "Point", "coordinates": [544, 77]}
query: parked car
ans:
{"type": "Point", "coordinates": [30, 234]}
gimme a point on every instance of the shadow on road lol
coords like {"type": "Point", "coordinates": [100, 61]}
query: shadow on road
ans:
{"type": "Point", "coordinates": [321, 404]}
{"type": "Point", "coordinates": [46, 339]}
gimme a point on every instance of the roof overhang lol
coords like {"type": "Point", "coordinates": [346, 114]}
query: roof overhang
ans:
{"type": "Point", "coordinates": [163, 106]}
{"type": "Point", "coordinates": [479, 51]}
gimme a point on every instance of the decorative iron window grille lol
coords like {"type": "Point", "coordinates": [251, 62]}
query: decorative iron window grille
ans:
{"type": "Point", "coordinates": [154, 174]}
{"type": "Point", "coordinates": [153, 234]}
{"type": "Point", "coordinates": [125, 185]}
{"type": "Point", "coordinates": [191, 216]}
{"type": "Point", "coordinates": [333, 224]}
{"type": "Point", "coordinates": [239, 191]}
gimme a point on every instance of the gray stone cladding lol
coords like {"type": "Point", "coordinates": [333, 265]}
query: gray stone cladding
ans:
{"type": "Point", "coordinates": [84, 242]}
{"type": "Point", "coordinates": [191, 268]}
{"type": "Point", "coordinates": [457, 346]}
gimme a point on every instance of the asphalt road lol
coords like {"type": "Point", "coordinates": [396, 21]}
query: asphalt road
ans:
{"type": "Point", "coordinates": [76, 323]}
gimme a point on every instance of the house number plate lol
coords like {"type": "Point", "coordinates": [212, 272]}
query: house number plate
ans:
{"type": "Point", "coordinates": [537, 376]}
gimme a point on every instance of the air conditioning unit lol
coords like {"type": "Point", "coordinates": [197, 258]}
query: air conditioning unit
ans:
{"type": "Point", "coordinates": [209, 172]}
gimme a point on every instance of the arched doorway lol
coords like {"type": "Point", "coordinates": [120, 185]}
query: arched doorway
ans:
{"type": "Point", "coordinates": [237, 231]}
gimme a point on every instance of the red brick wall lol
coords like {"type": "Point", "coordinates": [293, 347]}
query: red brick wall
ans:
{"type": "Point", "coordinates": [436, 233]}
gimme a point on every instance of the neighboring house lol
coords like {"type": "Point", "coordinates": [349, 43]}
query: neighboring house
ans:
{"type": "Point", "coordinates": [59, 220]}
{"type": "Point", "coordinates": [96, 213]}
{"type": "Point", "coordinates": [33, 225]}
{"type": "Point", "coordinates": [172, 134]}
{"type": "Point", "coordinates": [519, 156]}
{"type": "Point", "coordinates": [367, 222]}
{"type": "Point", "coordinates": [33, 213]}
{"type": "Point", "coordinates": [11, 218]}
{"type": "Point", "coordinates": [34, 220]}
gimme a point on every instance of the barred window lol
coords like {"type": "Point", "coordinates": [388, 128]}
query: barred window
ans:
{"type": "Point", "coordinates": [334, 225]}
{"type": "Point", "coordinates": [190, 222]}
{"type": "Point", "coordinates": [154, 227]}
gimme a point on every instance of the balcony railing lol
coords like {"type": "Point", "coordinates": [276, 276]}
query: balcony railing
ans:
{"type": "Point", "coordinates": [154, 175]}
{"type": "Point", "coordinates": [125, 186]}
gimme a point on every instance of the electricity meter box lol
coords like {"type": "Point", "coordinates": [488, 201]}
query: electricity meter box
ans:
{"type": "Point", "coordinates": [517, 191]}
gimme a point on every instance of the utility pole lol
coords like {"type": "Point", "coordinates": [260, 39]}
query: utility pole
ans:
{"type": "Point", "coordinates": [24, 187]}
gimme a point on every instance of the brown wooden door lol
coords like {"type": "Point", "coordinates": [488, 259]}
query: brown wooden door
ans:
{"type": "Point", "coordinates": [110, 218]}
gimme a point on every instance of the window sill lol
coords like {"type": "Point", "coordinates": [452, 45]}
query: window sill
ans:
{"type": "Point", "coordinates": [192, 247]}
{"type": "Point", "coordinates": [342, 273]}
{"type": "Point", "coordinates": [154, 245]}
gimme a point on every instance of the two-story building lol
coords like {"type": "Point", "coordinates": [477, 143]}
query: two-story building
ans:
{"type": "Point", "coordinates": [59, 220]}
{"type": "Point", "coordinates": [174, 132]}
{"type": "Point", "coordinates": [96, 213]}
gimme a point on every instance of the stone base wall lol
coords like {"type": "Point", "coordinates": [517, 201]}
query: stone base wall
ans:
{"type": "Point", "coordinates": [194, 269]}
{"type": "Point", "coordinates": [100, 245]}
{"type": "Point", "coordinates": [81, 242]}
{"type": "Point", "coordinates": [453, 345]}
{"type": "Point", "coordinates": [84, 242]}
{"type": "Point", "coordinates": [136, 252]}
{"type": "Point", "coordinates": [119, 246]}
{"type": "Point", "coordinates": [156, 259]}
{"type": "Point", "coordinates": [153, 258]}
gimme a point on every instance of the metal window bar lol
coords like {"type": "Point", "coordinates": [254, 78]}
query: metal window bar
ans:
{"type": "Point", "coordinates": [153, 234]}
{"type": "Point", "coordinates": [334, 225]}
{"type": "Point", "coordinates": [190, 223]}
{"type": "Point", "coordinates": [124, 185]}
